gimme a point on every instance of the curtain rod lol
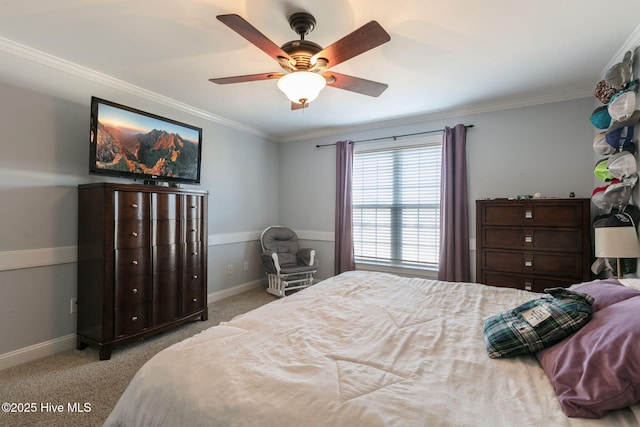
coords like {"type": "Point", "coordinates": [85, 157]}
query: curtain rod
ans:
{"type": "Point", "coordinates": [394, 137]}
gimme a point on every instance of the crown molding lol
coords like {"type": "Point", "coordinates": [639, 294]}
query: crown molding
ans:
{"type": "Point", "coordinates": [489, 107]}
{"type": "Point", "coordinates": [80, 71]}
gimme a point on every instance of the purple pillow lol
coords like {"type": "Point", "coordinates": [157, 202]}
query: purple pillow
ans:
{"type": "Point", "coordinates": [597, 369]}
{"type": "Point", "coordinates": [606, 292]}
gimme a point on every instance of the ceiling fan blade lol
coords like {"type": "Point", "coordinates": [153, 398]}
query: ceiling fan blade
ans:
{"type": "Point", "coordinates": [355, 84]}
{"type": "Point", "coordinates": [249, 32]}
{"type": "Point", "coordinates": [361, 40]}
{"type": "Point", "coordinates": [296, 106]}
{"type": "Point", "coordinates": [247, 78]}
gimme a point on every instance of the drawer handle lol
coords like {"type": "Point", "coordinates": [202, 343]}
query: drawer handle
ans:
{"type": "Point", "coordinates": [134, 262]}
{"type": "Point", "coordinates": [195, 276]}
{"type": "Point", "coordinates": [134, 290]}
{"type": "Point", "coordinates": [134, 318]}
{"type": "Point", "coordinates": [528, 214]}
{"type": "Point", "coordinates": [528, 263]}
{"type": "Point", "coordinates": [528, 238]}
{"type": "Point", "coordinates": [134, 205]}
{"type": "Point", "coordinates": [134, 234]}
{"type": "Point", "coordinates": [527, 286]}
{"type": "Point", "coordinates": [195, 300]}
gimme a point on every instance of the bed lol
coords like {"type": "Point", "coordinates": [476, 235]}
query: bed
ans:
{"type": "Point", "coordinates": [359, 349]}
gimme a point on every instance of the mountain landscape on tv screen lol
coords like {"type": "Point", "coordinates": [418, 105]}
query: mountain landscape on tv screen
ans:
{"type": "Point", "coordinates": [157, 152]}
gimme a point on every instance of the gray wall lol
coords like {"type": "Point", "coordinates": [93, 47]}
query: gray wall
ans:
{"type": "Point", "coordinates": [544, 148]}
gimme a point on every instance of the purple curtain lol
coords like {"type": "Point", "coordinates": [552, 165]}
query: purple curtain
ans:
{"type": "Point", "coordinates": [344, 258]}
{"type": "Point", "coordinates": [454, 262]}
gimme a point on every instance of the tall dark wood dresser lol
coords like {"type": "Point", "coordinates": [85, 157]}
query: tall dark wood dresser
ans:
{"type": "Point", "coordinates": [533, 244]}
{"type": "Point", "coordinates": [142, 262]}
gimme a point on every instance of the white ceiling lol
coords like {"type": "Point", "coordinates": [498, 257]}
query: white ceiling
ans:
{"type": "Point", "coordinates": [453, 55]}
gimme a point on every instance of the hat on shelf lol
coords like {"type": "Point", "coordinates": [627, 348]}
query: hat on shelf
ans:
{"type": "Point", "coordinates": [620, 134]}
{"type": "Point", "coordinates": [601, 118]}
{"type": "Point", "coordinates": [628, 217]}
{"type": "Point", "coordinates": [601, 171]}
{"type": "Point", "coordinates": [622, 106]}
{"type": "Point", "coordinates": [604, 91]}
{"type": "Point", "coordinates": [600, 145]}
{"type": "Point", "coordinates": [597, 197]}
{"type": "Point", "coordinates": [619, 74]}
{"type": "Point", "coordinates": [622, 164]}
{"type": "Point", "coordinates": [618, 194]}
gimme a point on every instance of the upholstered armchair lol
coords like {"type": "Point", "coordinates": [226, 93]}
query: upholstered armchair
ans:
{"type": "Point", "coordinates": [288, 266]}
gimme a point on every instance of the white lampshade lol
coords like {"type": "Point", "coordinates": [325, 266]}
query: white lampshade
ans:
{"type": "Point", "coordinates": [301, 87]}
{"type": "Point", "coordinates": [617, 242]}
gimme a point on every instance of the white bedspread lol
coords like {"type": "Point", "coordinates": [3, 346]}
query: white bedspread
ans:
{"type": "Point", "coordinates": [360, 349]}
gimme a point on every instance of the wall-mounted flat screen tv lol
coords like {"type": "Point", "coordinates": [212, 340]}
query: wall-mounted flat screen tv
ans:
{"type": "Point", "coordinates": [129, 143]}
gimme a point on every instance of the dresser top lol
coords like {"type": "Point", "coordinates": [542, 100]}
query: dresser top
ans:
{"type": "Point", "coordinates": [536, 200]}
{"type": "Point", "coordinates": [141, 188]}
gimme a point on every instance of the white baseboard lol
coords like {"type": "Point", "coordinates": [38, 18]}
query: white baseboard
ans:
{"type": "Point", "coordinates": [68, 342]}
{"type": "Point", "coordinates": [238, 289]}
{"type": "Point", "coordinates": [37, 351]}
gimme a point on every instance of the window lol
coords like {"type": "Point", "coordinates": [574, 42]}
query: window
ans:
{"type": "Point", "coordinates": [396, 203]}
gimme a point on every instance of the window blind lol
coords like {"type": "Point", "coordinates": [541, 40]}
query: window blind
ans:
{"type": "Point", "coordinates": [396, 205]}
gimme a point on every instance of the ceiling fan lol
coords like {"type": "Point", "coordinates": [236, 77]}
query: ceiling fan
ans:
{"type": "Point", "coordinates": [305, 63]}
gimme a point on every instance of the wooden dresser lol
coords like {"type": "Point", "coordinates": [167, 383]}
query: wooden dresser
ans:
{"type": "Point", "coordinates": [533, 244]}
{"type": "Point", "coordinates": [142, 262]}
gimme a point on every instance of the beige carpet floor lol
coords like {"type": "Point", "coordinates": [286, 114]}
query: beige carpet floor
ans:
{"type": "Point", "coordinates": [57, 387]}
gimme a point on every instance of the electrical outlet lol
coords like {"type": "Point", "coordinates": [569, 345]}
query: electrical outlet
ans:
{"type": "Point", "coordinates": [245, 266]}
{"type": "Point", "coordinates": [73, 305]}
{"type": "Point", "coordinates": [229, 268]}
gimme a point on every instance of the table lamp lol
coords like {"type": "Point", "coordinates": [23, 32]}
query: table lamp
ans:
{"type": "Point", "coordinates": [617, 242]}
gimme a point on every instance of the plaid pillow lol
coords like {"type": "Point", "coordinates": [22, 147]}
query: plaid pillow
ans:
{"type": "Point", "coordinates": [537, 324]}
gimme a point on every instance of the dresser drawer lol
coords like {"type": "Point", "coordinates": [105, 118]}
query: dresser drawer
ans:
{"type": "Point", "coordinates": [131, 319]}
{"type": "Point", "coordinates": [166, 284]}
{"type": "Point", "coordinates": [193, 230]}
{"type": "Point", "coordinates": [548, 239]}
{"type": "Point", "coordinates": [132, 290]}
{"type": "Point", "coordinates": [165, 310]}
{"type": "Point", "coordinates": [131, 205]}
{"type": "Point", "coordinates": [166, 294]}
{"type": "Point", "coordinates": [193, 253]}
{"type": "Point", "coordinates": [527, 283]}
{"type": "Point", "coordinates": [131, 234]}
{"type": "Point", "coordinates": [132, 262]}
{"type": "Point", "coordinates": [166, 232]}
{"type": "Point", "coordinates": [556, 264]}
{"type": "Point", "coordinates": [551, 214]}
{"type": "Point", "coordinates": [165, 258]}
{"type": "Point", "coordinates": [192, 206]}
{"type": "Point", "coordinates": [192, 300]}
{"type": "Point", "coordinates": [165, 206]}
{"type": "Point", "coordinates": [194, 277]}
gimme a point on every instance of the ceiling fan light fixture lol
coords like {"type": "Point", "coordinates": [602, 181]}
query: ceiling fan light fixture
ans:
{"type": "Point", "coordinates": [301, 87]}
